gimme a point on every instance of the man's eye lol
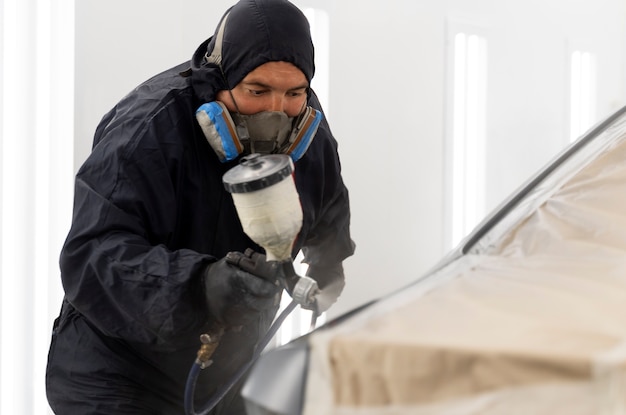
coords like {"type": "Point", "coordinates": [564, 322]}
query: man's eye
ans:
{"type": "Point", "coordinates": [299, 92]}
{"type": "Point", "coordinates": [256, 92]}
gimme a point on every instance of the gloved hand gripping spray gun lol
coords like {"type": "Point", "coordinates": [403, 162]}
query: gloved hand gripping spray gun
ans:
{"type": "Point", "coordinates": [270, 212]}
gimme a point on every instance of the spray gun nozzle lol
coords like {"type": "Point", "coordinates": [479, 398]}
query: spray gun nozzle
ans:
{"type": "Point", "coordinates": [302, 289]}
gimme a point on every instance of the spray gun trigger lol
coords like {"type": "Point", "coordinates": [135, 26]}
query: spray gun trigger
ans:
{"type": "Point", "coordinates": [256, 264]}
{"type": "Point", "coordinates": [234, 258]}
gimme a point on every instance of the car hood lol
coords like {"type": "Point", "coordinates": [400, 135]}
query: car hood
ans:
{"type": "Point", "coordinates": [526, 313]}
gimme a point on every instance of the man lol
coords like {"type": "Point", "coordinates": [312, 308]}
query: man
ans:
{"type": "Point", "coordinates": [143, 266]}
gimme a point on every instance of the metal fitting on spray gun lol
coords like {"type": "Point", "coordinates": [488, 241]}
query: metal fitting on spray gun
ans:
{"type": "Point", "coordinates": [302, 289]}
{"type": "Point", "coordinates": [270, 213]}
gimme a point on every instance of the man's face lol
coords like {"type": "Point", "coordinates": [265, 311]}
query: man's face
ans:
{"type": "Point", "coordinates": [273, 86]}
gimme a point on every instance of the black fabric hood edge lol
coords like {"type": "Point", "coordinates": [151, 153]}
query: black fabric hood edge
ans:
{"type": "Point", "coordinates": [256, 32]}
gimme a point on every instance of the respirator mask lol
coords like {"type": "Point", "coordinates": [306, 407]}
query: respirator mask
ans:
{"type": "Point", "coordinates": [267, 132]}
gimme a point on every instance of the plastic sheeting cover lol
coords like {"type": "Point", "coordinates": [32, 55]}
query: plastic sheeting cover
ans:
{"type": "Point", "coordinates": [532, 321]}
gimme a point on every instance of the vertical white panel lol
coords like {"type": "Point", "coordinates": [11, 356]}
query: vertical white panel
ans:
{"type": "Point", "coordinates": [475, 147]}
{"type": "Point", "coordinates": [459, 119]}
{"type": "Point", "coordinates": [35, 189]}
{"type": "Point", "coordinates": [41, 201]}
{"type": "Point", "coordinates": [319, 22]}
{"type": "Point", "coordinates": [466, 132]}
{"type": "Point", "coordinates": [2, 88]}
{"type": "Point", "coordinates": [583, 94]}
{"type": "Point", "coordinates": [17, 215]}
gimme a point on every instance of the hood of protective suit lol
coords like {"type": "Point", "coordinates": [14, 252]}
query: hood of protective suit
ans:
{"type": "Point", "coordinates": [255, 32]}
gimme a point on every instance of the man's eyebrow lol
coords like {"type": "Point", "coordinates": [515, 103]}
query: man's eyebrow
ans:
{"type": "Point", "coordinates": [301, 86]}
{"type": "Point", "coordinates": [266, 86]}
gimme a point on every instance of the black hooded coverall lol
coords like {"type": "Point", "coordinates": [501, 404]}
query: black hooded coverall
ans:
{"type": "Point", "coordinates": [151, 212]}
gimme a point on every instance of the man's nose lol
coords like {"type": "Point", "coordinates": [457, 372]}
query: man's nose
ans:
{"type": "Point", "coordinates": [277, 103]}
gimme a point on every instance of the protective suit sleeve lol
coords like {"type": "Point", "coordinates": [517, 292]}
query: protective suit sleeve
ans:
{"type": "Point", "coordinates": [328, 241]}
{"type": "Point", "coordinates": [115, 266]}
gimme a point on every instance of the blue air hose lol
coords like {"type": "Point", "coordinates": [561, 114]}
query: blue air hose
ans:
{"type": "Point", "coordinates": [192, 378]}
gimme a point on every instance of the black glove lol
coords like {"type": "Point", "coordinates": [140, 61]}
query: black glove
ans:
{"type": "Point", "coordinates": [240, 286]}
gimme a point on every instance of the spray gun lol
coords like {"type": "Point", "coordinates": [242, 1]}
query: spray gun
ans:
{"type": "Point", "coordinates": [270, 212]}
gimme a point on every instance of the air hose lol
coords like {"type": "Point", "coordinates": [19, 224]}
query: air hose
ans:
{"type": "Point", "coordinates": [199, 364]}
{"type": "Point", "coordinates": [267, 202]}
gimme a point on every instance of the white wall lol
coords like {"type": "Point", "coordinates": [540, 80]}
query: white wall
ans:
{"type": "Point", "coordinates": [387, 94]}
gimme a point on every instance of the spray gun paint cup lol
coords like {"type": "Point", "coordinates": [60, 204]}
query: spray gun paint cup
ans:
{"type": "Point", "coordinates": [267, 202]}
{"type": "Point", "coordinates": [270, 212]}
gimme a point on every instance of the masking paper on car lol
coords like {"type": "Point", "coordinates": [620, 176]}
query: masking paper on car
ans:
{"type": "Point", "coordinates": [532, 320]}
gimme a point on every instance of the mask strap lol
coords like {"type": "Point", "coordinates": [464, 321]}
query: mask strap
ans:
{"type": "Point", "coordinates": [216, 54]}
{"type": "Point", "coordinates": [216, 58]}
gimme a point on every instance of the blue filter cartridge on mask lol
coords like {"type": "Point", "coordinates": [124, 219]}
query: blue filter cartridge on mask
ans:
{"type": "Point", "coordinates": [219, 130]}
{"type": "Point", "coordinates": [303, 133]}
